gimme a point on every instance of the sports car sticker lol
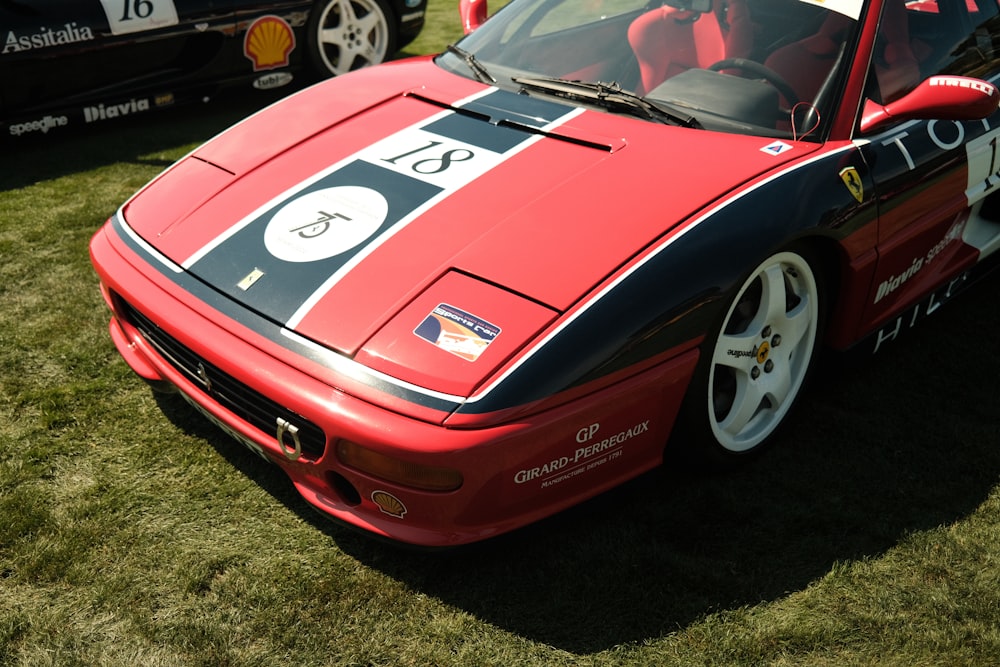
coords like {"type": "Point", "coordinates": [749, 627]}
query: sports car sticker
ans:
{"type": "Point", "coordinates": [268, 43]}
{"type": "Point", "coordinates": [917, 312]}
{"type": "Point", "coordinates": [128, 16]}
{"type": "Point", "coordinates": [249, 280]}
{"type": "Point", "coordinates": [893, 282]}
{"type": "Point", "coordinates": [92, 114]}
{"type": "Point", "coordinates": [42, 125]}
{"type": "Point", "coordinates": [43, 37]}
{"type": "Point", "coordinates": [457, 331]}
{"type": "Point", "coordinates": [273, 80]}
{"type": "Point", "coordinates": [984, 166]}
{"type": "Point", "coordinates": [592, 453]}
{"type": "Point", "coordinates": [776, 148]}
{"type": "Point", "coordinates": [305, 229]}
{"type": "Point", "coordinates": [389, 504]}
{"type": "Point", "coordinates": [307, 238]}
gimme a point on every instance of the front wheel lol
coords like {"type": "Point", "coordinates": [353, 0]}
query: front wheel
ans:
{"type": "Point", "coordinates": [346, 35]}
{"type": "Point", "coordinates": [755, 363]}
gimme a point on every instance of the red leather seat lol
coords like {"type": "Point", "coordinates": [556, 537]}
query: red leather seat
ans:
{"type": "Point", "coordinates": [805, 64]}
{"type": "Point", "coordinates": [668, 40]}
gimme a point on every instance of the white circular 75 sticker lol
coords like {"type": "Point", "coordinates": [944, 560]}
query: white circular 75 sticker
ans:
{"type": "Point", "coordinates": [125, 16]}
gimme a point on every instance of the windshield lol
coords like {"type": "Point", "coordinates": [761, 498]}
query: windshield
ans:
{"type": "Point", "coordinates": [767, 67]}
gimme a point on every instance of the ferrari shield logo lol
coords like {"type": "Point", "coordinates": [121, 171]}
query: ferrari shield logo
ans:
{"type": "Point", "coordinates": [849, 175]}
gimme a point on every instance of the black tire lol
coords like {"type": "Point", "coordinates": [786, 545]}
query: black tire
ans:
{"type": "Point", "coordinates": [345, 35]}
{"type": "Point", "coordinates": [755, 362]}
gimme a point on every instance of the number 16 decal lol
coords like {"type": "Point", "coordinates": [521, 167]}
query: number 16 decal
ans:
{"type": "Point", "coordinates": [128, 16]}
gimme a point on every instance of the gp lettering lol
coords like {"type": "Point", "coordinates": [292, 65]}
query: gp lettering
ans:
{"type": "Point", "coordinates": [583, 458]}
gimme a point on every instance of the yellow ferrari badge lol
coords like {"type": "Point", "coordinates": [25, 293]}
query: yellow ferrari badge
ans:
{"type": "Point", "coordinates": [849, 175]}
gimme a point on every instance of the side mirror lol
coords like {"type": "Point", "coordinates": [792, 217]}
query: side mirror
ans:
{"type": "Point", "coordinates": [939, 97]}
{"type": "Point", "coordinates": [473, 14]}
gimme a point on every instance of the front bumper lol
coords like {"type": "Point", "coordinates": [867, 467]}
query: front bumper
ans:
{"type": "Point", "coordinates": [514, 473]}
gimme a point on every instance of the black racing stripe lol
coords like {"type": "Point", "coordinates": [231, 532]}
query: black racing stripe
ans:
{"type": "Point", "coordinates": [285, 285]}
{"type": "Point", "coordinates": [271, 331]}
{"type": "Point", "coordinates": [531, 111]}
{"type": "Point", "coordinates": [467, 129]}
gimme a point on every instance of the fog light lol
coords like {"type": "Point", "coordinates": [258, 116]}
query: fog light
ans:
{"type": "Point", "coordinates": [413, 475]}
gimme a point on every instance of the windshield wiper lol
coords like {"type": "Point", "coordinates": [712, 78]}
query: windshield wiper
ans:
{"type": "Point", "coordinates": [477, 67]}
{"type": "Point", "coordinates": [611, 96]}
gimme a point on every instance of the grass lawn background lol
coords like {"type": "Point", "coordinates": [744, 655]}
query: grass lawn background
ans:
{"type": "Point", "coordinates": [133, 532]}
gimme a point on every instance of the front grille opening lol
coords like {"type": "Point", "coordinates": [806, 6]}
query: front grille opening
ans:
{"type": "Point", "coordinates": [241, 400]}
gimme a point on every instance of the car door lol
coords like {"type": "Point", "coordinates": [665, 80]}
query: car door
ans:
{"type": "Point", "coordinates": [60, 54]}
{"type": "Point", "coordinates": [937, 182]}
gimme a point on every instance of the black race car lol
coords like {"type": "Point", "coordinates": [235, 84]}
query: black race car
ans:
{"type": "Point", "coordinates": [68, 63]}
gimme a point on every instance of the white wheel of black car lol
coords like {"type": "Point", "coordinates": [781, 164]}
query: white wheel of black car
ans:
{"type": "Point", "coordinates": [346, 35]}
{"type": "Point", "coordinates": [761, 354]}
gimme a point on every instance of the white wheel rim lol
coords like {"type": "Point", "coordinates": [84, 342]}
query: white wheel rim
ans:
{"type": "Point", "coordinates": [763, 353]}
{"type": "Point", "coordinates": [352, 34]}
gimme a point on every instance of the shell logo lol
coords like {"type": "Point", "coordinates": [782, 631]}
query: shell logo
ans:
{"type": "Point", "coordinates": [389, 504]}
{"type": "Point", "coordinates": [268, 42]}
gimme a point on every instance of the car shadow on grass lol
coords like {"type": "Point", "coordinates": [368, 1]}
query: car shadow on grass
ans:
{"type": "Point", "coordinates": [878, 449]}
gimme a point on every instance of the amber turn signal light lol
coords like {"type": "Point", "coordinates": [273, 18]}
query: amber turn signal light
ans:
{"type": "Point", "coordinates": [404, 473]}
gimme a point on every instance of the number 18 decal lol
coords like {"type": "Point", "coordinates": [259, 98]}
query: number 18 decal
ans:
{"type": "Point", "coordinates": [432, 158]}
{"type": "Point", "coordinates": [127, 16]}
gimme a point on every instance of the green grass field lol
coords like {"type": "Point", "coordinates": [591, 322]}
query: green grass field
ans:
{"type": "Point", "coordinates": [134, 533]}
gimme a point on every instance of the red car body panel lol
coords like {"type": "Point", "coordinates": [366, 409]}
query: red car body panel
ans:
{"type": "Point", "coordinates": [490, 245]}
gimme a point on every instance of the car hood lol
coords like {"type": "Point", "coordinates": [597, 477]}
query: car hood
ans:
{"type": "Point", "coordinates": [431, 232]}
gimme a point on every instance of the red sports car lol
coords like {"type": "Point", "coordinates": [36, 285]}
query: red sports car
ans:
{"type": "Point", "coordinates": [450, 296]}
